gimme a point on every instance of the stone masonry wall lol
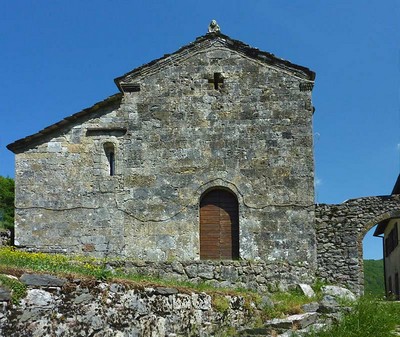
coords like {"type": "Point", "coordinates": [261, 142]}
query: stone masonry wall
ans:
{"type": "Point", "coordinates": [340, 230]}
{"type": "Point", "coordinates": [60, 307]}
{"type": "Point", "coordinates": [259, 276]}
{"type": "Point", "coordinates": [174, 140]}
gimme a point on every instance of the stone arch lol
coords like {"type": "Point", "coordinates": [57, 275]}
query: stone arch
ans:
{"type": "Point", "coordinates": [340, 230]}
{"type": "Point", "coordinates": [219, 183]}
{"type": "Point", "coordinates": [377, 219]}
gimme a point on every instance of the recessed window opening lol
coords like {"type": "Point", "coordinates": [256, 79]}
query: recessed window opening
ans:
{"type": "Point", "coordinates": [109, 150]}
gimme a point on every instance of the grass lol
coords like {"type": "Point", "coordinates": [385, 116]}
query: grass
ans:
{"type": "Point", "coordinates": [287, 303]}
{"type": "Point", "coordinates": [370, 317]}
{"type": "Point", "coordinates": [18, 289]}
{"type": "Point", "coordinates": [220, 303]}
{"type": "Point", "coordinates": [41, 262]}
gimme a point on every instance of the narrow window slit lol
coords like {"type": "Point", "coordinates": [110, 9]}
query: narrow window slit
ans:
{"type": "Point", "coordinates": [111, 161]}
{"type": "Point", "coordinates": [110, 154]}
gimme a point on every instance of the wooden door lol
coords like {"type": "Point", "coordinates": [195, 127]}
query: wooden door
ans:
{"type": "Point", "coordinates": [219, 226]}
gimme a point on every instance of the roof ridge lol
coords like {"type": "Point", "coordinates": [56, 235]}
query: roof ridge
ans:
{"type": "Point", "coordinates": [200, 42]}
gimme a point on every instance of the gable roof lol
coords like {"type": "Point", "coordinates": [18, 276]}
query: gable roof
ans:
{"type": "Point", "coordinates": [201, 43]}
{"type": "Point", "coordinates": [24, 143]}
{"type": "Point", "coordinates": [206, 41]}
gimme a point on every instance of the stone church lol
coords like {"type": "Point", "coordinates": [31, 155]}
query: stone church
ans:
{"type": "Point", "coordinates": [204, 155]}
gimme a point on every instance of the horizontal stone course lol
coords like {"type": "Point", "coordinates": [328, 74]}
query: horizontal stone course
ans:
{"type": "Point", "coordinates": [255, 275]}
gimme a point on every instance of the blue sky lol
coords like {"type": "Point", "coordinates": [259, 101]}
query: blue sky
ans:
{"type": "Point", "coordinates": [59, 57]}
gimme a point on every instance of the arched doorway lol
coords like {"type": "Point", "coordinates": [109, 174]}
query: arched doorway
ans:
{"type": "Point", "coordinates": [219, 225]}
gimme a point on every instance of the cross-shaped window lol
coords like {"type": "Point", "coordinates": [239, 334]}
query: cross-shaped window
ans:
{"type": "Point", "coordinates": [217, 81]}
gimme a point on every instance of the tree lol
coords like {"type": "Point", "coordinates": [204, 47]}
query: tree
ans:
{"type": "Point", "coordinates": [6, 202]}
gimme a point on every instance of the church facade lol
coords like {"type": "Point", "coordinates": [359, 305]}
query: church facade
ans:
{"type": "Point", "coordinates": [204, 154]}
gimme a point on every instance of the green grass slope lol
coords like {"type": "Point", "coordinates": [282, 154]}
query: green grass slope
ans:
{"type": "Point", "coordinates": [373, 278]}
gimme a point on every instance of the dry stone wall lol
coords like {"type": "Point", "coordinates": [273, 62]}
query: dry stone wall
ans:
{"type": "Point", "coordinates": [55, 306]}
{"type": "Point", "coordinates": [259, 276]}
{"type": "Point", "coordinates": [59, 307]}
{"type": "Point", "coordinates": [340, 230]}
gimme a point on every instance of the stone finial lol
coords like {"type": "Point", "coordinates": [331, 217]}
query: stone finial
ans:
{"type": "Point", "coordinates": [213, 27]}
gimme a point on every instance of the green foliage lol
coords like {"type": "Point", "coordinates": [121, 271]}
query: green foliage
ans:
{"type": "Point", "coordinates": [18, 289]}
{"type": "Point", "coordinates": [370, 318]}
{"type": "Point", "coordinates": [287, 303]}
{"type": "Point", "coordinates": [6, 202]}
{"type": "Point", "coordinates": [373, 278]}
{"type": "Point", "coordinates": [220, 303]}
{"type": "Point", "coordinates": [317, 286]}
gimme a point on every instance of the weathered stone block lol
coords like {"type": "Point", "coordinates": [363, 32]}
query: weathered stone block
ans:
{"type": "Point", "coordinates": [42, 280]}
{"type": "Point", "coordinates": [5, 294]}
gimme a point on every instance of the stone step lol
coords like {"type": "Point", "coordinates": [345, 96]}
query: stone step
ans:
{"type": "Point", "coordinates": [283, 326]}
{"type": "Point", "coordinates": [293, 322]}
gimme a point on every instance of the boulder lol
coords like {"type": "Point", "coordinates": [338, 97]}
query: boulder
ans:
{"type": "Point", "coordinates": [38, 298]}
{"type": "Point", "coordinates": [339, 293]}
{"type": "Point", "coordinates": [310, 307]}
{"type": "Point", "coordinates": [328, 304]}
